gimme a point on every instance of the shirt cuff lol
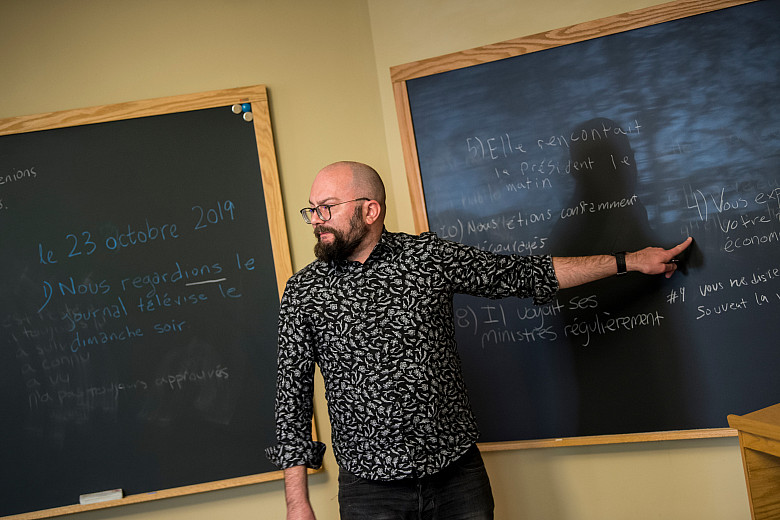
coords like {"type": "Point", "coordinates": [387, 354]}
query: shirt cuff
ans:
{"type": "Point", "coordinates": [306, 453]}
{"type": "Point", "coordinates": [546, 285]}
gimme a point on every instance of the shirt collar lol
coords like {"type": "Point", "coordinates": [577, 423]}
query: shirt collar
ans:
{"type": "Point", "coordinates": [384, 247]}
{"type": "Point", "coordinates": [381, 250]}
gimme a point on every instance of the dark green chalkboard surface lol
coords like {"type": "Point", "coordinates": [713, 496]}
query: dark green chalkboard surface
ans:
{"type": "Point", "coordinates": [142, 248]}
{"type": "Point", "coordinates": [637, 130]}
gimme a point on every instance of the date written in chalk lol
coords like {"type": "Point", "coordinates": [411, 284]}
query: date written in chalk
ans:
{"type": "Point", "coordinates": [84, 243]}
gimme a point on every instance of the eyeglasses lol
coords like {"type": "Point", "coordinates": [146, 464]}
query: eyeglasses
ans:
{"type": "Point", "coordinates": [323, 210]}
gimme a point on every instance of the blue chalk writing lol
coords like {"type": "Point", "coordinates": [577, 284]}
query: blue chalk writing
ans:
{"type": "Point", "coordinates": [87, 246]}
{"type": "Point", "coordinates": [224, 211]}
{"type": "Point", "coordinates": [159, 301]}
{"type": "Point", "coordinates": [153, 280]}
{"type": "Point", "coordinates": [70, 287]}
{"type": "Point", "coordinates": [136, 237]}
{"type": "Point", "coordinates": [104, 338]}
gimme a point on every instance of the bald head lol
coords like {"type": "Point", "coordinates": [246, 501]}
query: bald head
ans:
{"type": "Point", "coordinates": [354, 180]}
{"type": "Point", "coordinates": [361, 179]}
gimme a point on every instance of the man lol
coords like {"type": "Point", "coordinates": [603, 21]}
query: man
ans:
{"type": "Point", "coordinates": [374, 311]}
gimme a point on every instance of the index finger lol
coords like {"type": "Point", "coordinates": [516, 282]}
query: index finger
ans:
{"type": "Point", "coordinates": [679, 248]}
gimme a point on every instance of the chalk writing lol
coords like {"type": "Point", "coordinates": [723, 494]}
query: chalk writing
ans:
{"type": "Point", "coordinates": [675, 295]}
{"type": "Point", "coordinates": [721, 308]}
{"type": "Point", "coordinates": [74, 317]}
{"type": "Point", "coordinates": [501, 327]}
{"type": "Point", "coordinates": [461, 229]}
{"type": "Point", "coordinates": [223, 212]}
{"type": "Point", "coordinates": [489, 147]}
{"type": "Point", "coordinates": [707, 203]}
{"type": "Point", "coordinates": [18, 174]}
{"type": "Point", "coordinates": [528, 184]}
{"type": "Point", "coordinates": [102, 338]}
{"type": "Point", "coordinates": [84, 242]}
{"type": "Point", "coordinates": [604, 323]}
{"type": "Point", "coordinates": [179, 273]}
{"type": "Point", "coordinates": [585, 207]}
{"type": "Point", "coordinates": [733, 244]}
{"type": "Point", "coordinates": [180, 379]}
{"type": "Point", "coordinates": [603, 132]}
{"type": "Point", "coordinates": [134, 237]}
{"type": "Point", "coordinates": [161, 301]}
{"type": "Point", "coordinates": [534, 245]}
{"type": "Point", "coordinates": [496, 336]}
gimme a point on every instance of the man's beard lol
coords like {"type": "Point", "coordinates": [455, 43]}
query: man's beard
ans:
{"type": "Point", "coordinates": [343, 245]}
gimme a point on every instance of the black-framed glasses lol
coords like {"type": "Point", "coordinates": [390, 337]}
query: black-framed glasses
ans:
{"type": "Point", "coordinates": [323, 210]}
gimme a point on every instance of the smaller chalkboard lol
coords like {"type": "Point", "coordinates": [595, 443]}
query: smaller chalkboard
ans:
{"type": "Point", "coordinates": [143, 256]}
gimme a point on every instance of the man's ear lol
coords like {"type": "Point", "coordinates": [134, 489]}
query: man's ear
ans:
{"type": "Point", "coordinates": [373, 210]}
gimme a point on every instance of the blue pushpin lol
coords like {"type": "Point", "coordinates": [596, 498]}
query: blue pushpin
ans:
{"type": "Point", "coordinates": [246, 107]}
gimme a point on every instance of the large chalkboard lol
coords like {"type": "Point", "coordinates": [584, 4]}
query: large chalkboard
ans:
{"type": "Point", "coordinates": [143, 249]}
{"type": "Point", "coordinates": [603, 140]}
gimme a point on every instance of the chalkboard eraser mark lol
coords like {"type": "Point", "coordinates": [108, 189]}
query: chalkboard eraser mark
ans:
{"type": "Point", "coordinates": [100, 496]}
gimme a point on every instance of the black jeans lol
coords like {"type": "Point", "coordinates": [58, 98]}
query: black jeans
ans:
{"type": "Point", "coordinates": [461, 491]}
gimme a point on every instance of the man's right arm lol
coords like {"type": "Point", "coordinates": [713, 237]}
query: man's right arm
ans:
{"type": "Point", "coordinates": [295, 449]}
{"type": "Point", "coordinates": [296, 492]}
{"type": "Point", "coordinates": [573, 271]}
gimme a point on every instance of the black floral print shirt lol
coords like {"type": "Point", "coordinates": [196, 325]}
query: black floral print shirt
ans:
{"type": "Point", "coordinates": [382, 334]}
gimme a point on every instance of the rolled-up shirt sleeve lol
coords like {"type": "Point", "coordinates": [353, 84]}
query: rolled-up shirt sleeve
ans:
{"type": "Point", "coordinates": [294, 389]}
{"type": "Point", "coordinates": [482, 273]}
{"type": "Point", "coordinates": [546, 282]}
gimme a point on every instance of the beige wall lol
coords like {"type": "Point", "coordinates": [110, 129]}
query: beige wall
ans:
{"type": "Point", "coordinates": [326, 66]}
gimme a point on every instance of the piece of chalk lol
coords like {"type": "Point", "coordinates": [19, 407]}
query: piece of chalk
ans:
{"type": "Point", "coordinates": [101, 496]}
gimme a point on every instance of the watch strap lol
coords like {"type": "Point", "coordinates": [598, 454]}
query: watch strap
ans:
{"type": "Point", "coordinates": [620, 258]}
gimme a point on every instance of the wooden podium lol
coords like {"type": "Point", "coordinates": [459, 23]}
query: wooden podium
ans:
{"type": "Point", "coordinates": [759, 442]}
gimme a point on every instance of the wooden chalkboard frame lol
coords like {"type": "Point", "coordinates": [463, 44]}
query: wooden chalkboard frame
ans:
{"type": "Point", "coordinates": [400, 74]}
{"type": "Point", "coordinates": [258, 97]}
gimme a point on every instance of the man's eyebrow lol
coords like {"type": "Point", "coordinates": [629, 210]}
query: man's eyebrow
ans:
{"type": "Point", "coordinates": [324, 201]}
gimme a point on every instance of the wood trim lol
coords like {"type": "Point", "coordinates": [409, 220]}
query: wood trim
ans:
{"type": "Point", "coordinates": [272, 191]}
{"type": "Point", "coordinates": [148, 497]}
{"type": "Point", "coordinates": [131, 109]}
{"type": "Point", "coordinates": [411, 161]}
{"type": "Point", "coordinates": [557, 37]}
{"type": "Point", "coordinates": [609, 439]}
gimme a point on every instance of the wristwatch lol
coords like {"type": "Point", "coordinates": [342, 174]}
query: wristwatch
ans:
{"type": "Point", "coordinates": [620, 258]}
